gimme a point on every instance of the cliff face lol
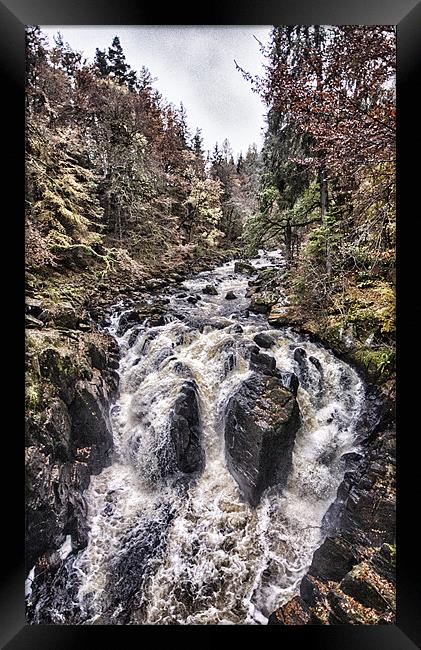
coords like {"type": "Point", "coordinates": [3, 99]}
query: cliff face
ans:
{"type": "Point", "coordinates": [351, 579]}
{"type": "Point", "coordinates": [70, 383]}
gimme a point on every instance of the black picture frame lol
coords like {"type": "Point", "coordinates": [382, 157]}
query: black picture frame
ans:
{"type": "Point", "coordinates": [406, 15]}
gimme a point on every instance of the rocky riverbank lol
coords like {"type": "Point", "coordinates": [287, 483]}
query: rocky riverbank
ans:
{"type": "Point", "coordinates": [351, 579]}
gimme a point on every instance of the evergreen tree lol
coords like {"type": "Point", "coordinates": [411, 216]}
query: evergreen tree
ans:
{"type": "Point", "coordinates": [101, 63]}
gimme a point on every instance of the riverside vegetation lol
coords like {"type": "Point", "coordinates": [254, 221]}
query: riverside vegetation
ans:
{"type": "Point", "coordinates": [122, 203]}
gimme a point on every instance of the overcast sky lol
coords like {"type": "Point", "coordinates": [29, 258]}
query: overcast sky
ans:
{"type": "Point", "coordinates": [194, 65]}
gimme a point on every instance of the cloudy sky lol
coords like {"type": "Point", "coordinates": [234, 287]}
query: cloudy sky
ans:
{"type": "Point", "coordinates": [194, 65]}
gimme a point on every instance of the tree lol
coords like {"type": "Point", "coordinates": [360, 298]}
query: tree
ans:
{"type": "Point", "coordinates": [101, 63]}
{"type": "Point", "coordinates": [117, 66]}
{"type": "Point", "coordinates": [330, 96]}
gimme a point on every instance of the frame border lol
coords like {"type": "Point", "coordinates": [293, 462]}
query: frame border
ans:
{"type": "Point", "coordinates": [14, 15]}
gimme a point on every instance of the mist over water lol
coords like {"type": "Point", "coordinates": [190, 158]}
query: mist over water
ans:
{"type": "Point", "coordinates": [163, 551]}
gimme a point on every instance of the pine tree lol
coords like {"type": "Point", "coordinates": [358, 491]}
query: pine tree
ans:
{"type": "Point", "coordinates": [197, 143]}
{"type": "Point", "coordinates": [117, 61]}
{"type": "Point", "coordinates": [101, 63]}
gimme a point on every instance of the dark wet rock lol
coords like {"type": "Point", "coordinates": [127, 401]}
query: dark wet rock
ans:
{"type": "Point", "coordinates": [332, 560]}
{"type": "Point", "coordinates": [261, 422]}
{"type": "Point", "coordinates": [244, 268]}
{"type": "Point", "coordinates": [236, 329]}
{"type": "Point", "coordinates": [305, 376]}
{"type": "Point", "coordinates": [185, 454]}
{"type": "Point", "coordinates": [310, 590]}
{"type": "Point", "coordinates": [300, 356]}
{"type": "Point", "coordinates": [351, 458]}
{"type": "Point", "coordinates": [92, 438]}
{"type": "Point", "coordinates": [264, 340]}
{"type": "Point", "coordinates": [97, 355]}
{"type": "Point", "coordinates": [127, 320]}
{"type": "Point", "coordinates": [154, 284]}
{"type": "Point", "coordinates": [362, 584]}
{"type": "Point", "coordinates": [69, 390]}
{"type": "Point", "coordinates": [229, 363]}
{"type": "Point", "coordinates": [259, 305]}
{"type": "Point", "coordinates": [133, 336]}
{"type": "Point", "coordinates": [262, 362]}
{"type": "Point", "coordinates": [248, 348]}
{"type": "Point", "coordinates": [210, 290]}
{"type": "Point", "coordinates": [316, 363]}
{"type": "Point", "coordinates": [156, 320]}
{"type": "Point", "coordinates": [58, 429]}
{"type": "Point", "coordinates": [327, 456]}
{"type": "Point", "coordinates": [114, 364]}
{"type": "Point", "coordinates": [182, 369]}
{"type": "Point", "coordinates": [55, 506]}
{"type": "Point", "coordinates": [353, 572]}
{"type": "Point", "coordinates": [192, 299]}
{"type": "Point", "coordinates": [230, 295]}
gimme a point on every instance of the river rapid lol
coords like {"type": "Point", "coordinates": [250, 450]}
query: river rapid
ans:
{"type": "Point", "coordinates": [171, 552]}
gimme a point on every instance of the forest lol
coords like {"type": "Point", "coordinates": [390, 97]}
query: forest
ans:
{"type": "Point", "coordinates": [149, 261]}
{"type": "Point", "coordinates": [116, 185]}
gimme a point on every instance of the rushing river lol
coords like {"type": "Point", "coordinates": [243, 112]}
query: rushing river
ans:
{"type": "Point", "coordinates": [162, 552]}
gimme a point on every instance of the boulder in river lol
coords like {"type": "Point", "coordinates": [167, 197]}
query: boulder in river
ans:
{"type": "Point", "coordinates": [261, 302]}
{"type": "Point", "coordinates": [185, 454]}
{"type": "Point", "coordinates": [261, 422]}
{"type": "Point", "coordinates": [264, 340]}
{"type": "Point", "coordinates": [210, 290]}
{"type": "Point", "coordinates": [230, 295]}
{"type": "Point", "coordinates": [244, 267]}
{"type": "Point", "coordinates": [262, 362]}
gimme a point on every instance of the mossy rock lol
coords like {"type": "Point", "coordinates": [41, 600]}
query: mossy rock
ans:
{"type": "Point", "coordinates": [262, 302]}
{"type": "Point", "coordinates": [378, 363]}
{"type": "Point", "coordinates": [240, 266]}
{"type": "Point", "coordinates": [60, 370]}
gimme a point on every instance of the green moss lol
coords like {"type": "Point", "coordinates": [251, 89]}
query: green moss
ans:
{"type": "Point", "coordinates": [392, 550]}
{"type": "Point", "coordinates": [379, 363]}
{"type": "Point", "coordinates": [33, 395]}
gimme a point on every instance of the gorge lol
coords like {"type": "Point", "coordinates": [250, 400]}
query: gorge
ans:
{"type": "Point", "coordinates": [230, 441]}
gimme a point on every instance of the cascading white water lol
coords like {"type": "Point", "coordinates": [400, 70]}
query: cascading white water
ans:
{"type": "Point", "coordinates": [200, 555]}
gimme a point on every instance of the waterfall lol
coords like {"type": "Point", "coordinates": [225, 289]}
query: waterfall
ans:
{"type": "Point", "coordinates": [166, 551]}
